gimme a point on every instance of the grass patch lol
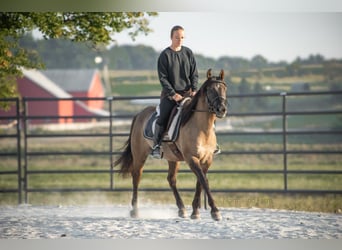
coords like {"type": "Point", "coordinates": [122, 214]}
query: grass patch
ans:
{"type": "Point", "coordinates": [131, 89]}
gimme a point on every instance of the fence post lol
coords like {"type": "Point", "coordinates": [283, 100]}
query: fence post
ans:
{"type": "Point", "coordinates": [110, 99]}
{"type": "Point", "coordinates": [24, 103]}
{"type": "Point", "coordinates": [284, 130]}
{"type": "Point", "coordinates": [17, 102]}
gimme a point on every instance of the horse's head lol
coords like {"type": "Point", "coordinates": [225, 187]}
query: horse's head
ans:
{"type": "Point", "coordinates": [213, 93]}
{"type": "Point", "coordinates": [216, 92]}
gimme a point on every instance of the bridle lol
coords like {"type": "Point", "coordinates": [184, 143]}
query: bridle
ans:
{"type": "Point", "coordinates": [211, 101]}
{"type": "Point", "coordinates": [211, 108]}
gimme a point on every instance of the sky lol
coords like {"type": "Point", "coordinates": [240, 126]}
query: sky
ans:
{"type": "Point", "coordinates": [275, 35]}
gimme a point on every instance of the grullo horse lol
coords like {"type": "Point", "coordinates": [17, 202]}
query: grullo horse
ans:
{"type": "Point", "coordinates": [195, 144]}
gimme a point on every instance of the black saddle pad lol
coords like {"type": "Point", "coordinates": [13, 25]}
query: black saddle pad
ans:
{"type": "Point", "coordinates": [148, 132]}
{"type": "Point", "coordinates": [173, 127]}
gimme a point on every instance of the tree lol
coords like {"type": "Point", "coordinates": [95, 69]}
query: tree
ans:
{"type": "Point", "coordinates": [244, 87]}
{"type": "Point", "coordinates": [293, 69]}
{"type": "Point", "coordinates": [205, 63]}
{"type": "Point", "coordinates": [332, 69]}
{"type": "Point", "coordinates": [61, 53]}
{"type": "Point", "coordinates": [259, 62]}
{"type": "Point", "coordinates": [259, 102]}
{"type": "Point", "coordinates": [232, 63]}
{"type": "Point", "coordinates": [97, 29]}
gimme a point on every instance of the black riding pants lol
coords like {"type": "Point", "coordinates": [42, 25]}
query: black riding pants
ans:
{"type": "Point", "coordinates": [166, 106]}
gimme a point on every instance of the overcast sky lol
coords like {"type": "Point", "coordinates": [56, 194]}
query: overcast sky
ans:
{"type": "Point", "coordinates": [274, 35]}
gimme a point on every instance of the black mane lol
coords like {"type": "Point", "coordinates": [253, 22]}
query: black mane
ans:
{"type": "Point", "coordinates": [189, 107]}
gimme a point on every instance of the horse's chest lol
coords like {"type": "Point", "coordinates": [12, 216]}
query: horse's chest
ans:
{"type": "Point", "coordinates": [205, 150]}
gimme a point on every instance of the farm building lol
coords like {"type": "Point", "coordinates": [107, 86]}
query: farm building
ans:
{"type": "Point", "coordinates": [34, 83]}
{"type": "Point", "coordinates": [79, 83]}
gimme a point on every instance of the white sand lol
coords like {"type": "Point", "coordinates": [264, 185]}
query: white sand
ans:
{"type": "Point", "coordinates": [162, 222]}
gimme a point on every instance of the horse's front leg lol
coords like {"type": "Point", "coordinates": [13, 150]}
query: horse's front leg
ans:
{"type": "Point", "coordinates": [197, 201]}
{"type": "Point", "coordinates": [203, 181]}
{"type": "Point", "coordinates": [172, 179]}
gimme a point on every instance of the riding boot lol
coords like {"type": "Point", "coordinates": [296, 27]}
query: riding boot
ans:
{"type": "Point", "coordinates": [157, 139]}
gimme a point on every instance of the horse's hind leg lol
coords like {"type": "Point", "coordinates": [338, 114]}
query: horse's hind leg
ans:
{"type": "Point", "coordinates": [136, 176]}
{"type": "Point", "coordinates": [172, 179]}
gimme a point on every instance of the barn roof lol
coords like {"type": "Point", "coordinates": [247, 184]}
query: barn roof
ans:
{"type": "Point", "coordinates": [45, 83]}
{"type": "Point", "coordinates": [72, 79]}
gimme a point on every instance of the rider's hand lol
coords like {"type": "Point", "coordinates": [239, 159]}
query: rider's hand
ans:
{"type": "Point", "coordinates": [177, 97]}
{"type": "Point", "coordinates": [193, 93]}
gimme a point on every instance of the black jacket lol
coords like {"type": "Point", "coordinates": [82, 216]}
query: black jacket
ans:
{"type": "Point", "coordinates": [177, 70]}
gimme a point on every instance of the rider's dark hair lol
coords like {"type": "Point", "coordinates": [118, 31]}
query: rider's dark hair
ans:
{"type": "Point", "coordinates": [175, 28]}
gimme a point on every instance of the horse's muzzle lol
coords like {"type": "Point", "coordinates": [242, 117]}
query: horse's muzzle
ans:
{"type": "Point", "coordinates": [221, 111]}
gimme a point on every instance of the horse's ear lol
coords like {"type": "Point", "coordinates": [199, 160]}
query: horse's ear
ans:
{"type": "Point", "coordinates": [209, 73]}
{"type": "Point", "coordinates": [222, 74]}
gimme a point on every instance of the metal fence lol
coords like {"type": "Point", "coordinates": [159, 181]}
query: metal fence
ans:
{"type": "Point", "coordinates": [21, 135]}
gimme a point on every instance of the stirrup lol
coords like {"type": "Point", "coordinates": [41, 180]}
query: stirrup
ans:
{"type": "Point", "coordinates": [217, 150]}
{"type": "Point", "coordinates": [156, 152]}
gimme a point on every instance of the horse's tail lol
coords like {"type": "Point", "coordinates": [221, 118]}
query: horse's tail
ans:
{"type": "Point", "coordinates": [126, 157]}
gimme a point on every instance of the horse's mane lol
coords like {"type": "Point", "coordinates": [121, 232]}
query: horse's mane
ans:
{"type": "Point", "coordinates": [189, 107]}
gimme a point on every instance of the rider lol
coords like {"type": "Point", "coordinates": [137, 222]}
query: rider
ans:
{"type": "Point", "coordinates": [178, 76]}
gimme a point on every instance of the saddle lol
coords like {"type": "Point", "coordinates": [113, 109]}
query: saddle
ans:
{"type": "Point", "coordinates": [173, 125]}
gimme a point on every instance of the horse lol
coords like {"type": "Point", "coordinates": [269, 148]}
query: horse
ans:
{"type": "Point", "coordinates": [195, 145]}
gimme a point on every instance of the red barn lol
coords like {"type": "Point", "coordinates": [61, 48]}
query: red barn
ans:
{"type": "Point", "coordinates": [36, 84]}
{"type": "Point", "coordinates": [79, 83]}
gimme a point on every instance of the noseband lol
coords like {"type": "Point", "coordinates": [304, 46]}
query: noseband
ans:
{"type": "Point", "coordinates": [211, 107]}
{"type": "Point", "coordinates": [211, 101]}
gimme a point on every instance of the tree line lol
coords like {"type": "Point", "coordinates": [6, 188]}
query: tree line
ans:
{"type": "Point", "coordinates": [96, 29]}
{"type": "Point", "coordinates": [59, 53]}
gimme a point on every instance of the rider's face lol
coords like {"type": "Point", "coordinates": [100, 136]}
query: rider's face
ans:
{"type": "Point", "coordinates": [177, 38]}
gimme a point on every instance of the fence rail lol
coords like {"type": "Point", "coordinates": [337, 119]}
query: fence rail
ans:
{"type": "Point", "coordinates": [22, 135]}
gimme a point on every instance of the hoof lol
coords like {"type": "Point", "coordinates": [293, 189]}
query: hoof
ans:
{"type": "Point", "coordinates": [134, 213]}
{"type": "Point", "coordinates": [182, 213]}
{"type": "Point", "coordinates": [195, 216]}
{"type": "Point", "coordinates": [216, 216]}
